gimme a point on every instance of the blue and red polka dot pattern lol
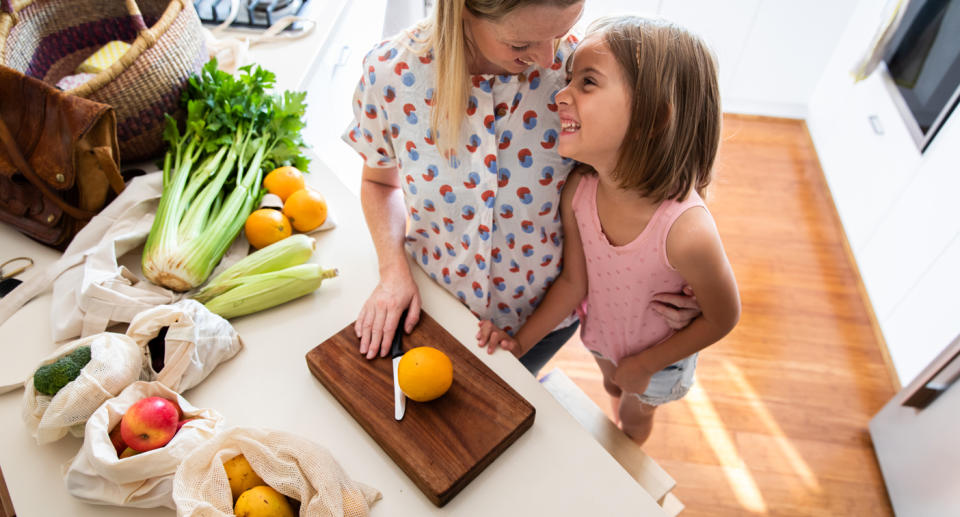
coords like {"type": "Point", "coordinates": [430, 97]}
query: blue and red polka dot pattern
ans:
{"type": "Point", "coordinates": [484, 224]}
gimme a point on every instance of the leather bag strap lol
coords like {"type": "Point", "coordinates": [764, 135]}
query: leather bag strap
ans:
{"type": "Point", "coordinates": [6, 138]}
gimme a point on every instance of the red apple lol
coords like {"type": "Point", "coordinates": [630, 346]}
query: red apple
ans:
{"type": "Point", "coordinates": [117, 440]}
{"type": "Point", "coordinates": [149, 424]}
{"type": "Point", "coordinates": [128, 452]}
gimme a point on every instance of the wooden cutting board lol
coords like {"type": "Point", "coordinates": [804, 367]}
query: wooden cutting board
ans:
{"type": "Point", "coordinates": [443, 444]}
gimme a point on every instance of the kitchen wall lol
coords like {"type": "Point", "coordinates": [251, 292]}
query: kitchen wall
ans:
{"type": "Point", "coordinates": [771, 53]}
{"type": "Point", "coordinates": [897, 206]}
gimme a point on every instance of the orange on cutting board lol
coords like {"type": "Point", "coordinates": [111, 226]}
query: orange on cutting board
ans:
{"type": "Point", "coordinates": [306, 208]}
{"type": "Point", "coordinates": [424, 373]}
{"type": "Point", "coordinates": [266, 226]}
{"type": "Point", "coordinates": [284, 181]}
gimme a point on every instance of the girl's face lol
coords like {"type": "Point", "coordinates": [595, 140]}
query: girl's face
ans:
{"type": "Point", "coordinates": [524, 36]}
{"type": "Point", "coordinates": [594, 107]}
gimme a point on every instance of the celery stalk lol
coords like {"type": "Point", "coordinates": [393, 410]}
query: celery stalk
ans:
{"type": "Point", "coordinates": [212, 171]}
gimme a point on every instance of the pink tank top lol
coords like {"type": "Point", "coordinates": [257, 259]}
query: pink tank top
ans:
{"type": "Point", "coordinates": [616, 318]}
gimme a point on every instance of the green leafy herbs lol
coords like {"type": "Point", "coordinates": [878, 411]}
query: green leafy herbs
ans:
{"type": "Point", "coordinates": [212, 173]}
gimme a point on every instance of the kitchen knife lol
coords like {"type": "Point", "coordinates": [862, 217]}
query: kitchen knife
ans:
{"type": "Point", "coordinates": [396, 352]}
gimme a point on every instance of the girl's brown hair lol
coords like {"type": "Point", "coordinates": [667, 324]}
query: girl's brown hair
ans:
{"type": "Point", "coordinates": [675, 118]}
{"type": "Point", "coordinates": [447, 39]}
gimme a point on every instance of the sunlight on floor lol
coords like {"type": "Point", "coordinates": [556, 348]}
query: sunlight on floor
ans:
{"type": "Point", "coordinates": [743, 485]}
{"type": "Point", "coordinates": [800, 467]}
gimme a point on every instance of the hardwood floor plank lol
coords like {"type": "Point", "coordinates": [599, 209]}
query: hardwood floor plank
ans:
{"type": "Point", "coordinates": [777, 423]}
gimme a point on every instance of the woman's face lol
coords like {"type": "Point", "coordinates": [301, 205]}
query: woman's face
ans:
{"type": "Point", "coordinates": [524, 36]}
{"type": "Point", "coordinates": [594, 107]}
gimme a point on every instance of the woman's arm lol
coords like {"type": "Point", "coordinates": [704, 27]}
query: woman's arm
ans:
{"type": "Point", "coordinates": [563, 296]}
{"type": "Point", "coordinates": [386, 215]}
{"type": "Point", "coordinates": [695, 250]}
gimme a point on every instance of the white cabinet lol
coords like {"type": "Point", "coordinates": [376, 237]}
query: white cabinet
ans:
{"type": "Point", "coordinates": [897, 206]}
{"type": "Point", "coordinates": [331, 85]}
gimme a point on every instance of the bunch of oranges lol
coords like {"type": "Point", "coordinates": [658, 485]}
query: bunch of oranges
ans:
{"type": "Point", "coordinates": [304, 209]}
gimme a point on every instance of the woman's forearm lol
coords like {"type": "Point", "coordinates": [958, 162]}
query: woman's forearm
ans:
{"type": "Point", "coordinates": [385, 212]}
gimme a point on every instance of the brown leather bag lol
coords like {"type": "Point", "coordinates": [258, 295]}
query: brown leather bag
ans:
{"type": "Point", "coordinates": [59, 161]}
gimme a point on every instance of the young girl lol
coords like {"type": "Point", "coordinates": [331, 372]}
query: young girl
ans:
{"type": "Point", "coordinates": [642, 108]}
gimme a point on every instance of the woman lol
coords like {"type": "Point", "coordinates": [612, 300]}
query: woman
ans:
{"type": "Point", "coordinates": [457, 125]}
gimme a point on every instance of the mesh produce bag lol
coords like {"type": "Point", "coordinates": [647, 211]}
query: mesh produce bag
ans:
{"type": "Point", "coordinates": [195, 342]}
{"type": "Point", "coordinates": [97, 475]}
{"type": "Point", "coordinates": [292, 465]}
{"type": "Point", "coordinates": [114, 364]}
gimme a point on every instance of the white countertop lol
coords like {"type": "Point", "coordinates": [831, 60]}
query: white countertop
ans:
{"type": "Point", "coordinates": [555, 468]}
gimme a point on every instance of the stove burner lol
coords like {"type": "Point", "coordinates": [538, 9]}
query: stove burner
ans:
{"type": "Point", "coordinates": [270, 5]}
{"type": "Point", "coordinates": [253, 14]}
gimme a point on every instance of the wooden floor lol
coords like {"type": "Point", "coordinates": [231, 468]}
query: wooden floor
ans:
{"type": "Point", "coordinates": [777, 422]}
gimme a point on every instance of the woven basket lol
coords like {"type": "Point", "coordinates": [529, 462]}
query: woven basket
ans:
{"type": "Point", "coordinates": [48, 39]}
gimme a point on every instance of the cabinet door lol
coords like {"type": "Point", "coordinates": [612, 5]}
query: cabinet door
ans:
{"type": "Point", "coordinates": [916, 446]}
{"type": "Point", "coordinates": [332, 84]}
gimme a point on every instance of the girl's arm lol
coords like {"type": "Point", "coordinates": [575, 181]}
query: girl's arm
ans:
{"type": "Point", "coordinates": [385, 213]}
{"type": "Point", "coordinates": [563, 296]}
{"type": "Point", "coordinates": [695, 250]}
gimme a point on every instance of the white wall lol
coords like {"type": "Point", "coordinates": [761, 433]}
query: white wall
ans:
{"type": "Point", "coordinates": [771, 52]}
{"type": "Point", "coordinates": [897, 206]}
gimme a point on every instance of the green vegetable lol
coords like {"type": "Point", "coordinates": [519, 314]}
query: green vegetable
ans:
{"type": "Point", "coordinates": [235, 130]}
{"type": "Point", "coordinates": [291, 251]}
{"type": "Point", "coordinates": [249, 294]}
{"type": "Point", "coordinates": [50, 378]}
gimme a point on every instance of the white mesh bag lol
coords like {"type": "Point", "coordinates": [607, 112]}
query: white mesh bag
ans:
{"type": "Point", "coordinates": [292, 465]}
{"type": "Point", "coordinates": [196, 341]}
{"type": "Point", "coordinates": [115, 362]}
{"type": "Point", "coordinates": [97, 475]}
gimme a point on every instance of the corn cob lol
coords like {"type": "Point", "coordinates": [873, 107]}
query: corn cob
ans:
{"type": "Point", "coordinates": [254, 293]}
{"type": "Point", "coordinates": [292, 251]}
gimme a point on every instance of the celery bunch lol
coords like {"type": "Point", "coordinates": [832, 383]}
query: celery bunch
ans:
{"type": "Point", "coordinates": [212, 171]}
{"type": "Point", "coordinates": [267, 277]}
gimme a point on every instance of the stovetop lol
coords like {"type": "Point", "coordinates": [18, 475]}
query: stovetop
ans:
{"type": "Point", "coordinates": [253, 14]}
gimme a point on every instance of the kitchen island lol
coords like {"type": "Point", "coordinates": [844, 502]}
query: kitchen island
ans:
{"type": "Point", "coordinates": [555, 468]}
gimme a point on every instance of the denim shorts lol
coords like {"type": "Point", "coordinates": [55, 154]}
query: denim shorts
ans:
{"type": "Point", "coordinates": [669, 384]}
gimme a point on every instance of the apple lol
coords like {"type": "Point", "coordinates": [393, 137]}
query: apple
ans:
{"type": "Point", "coordinates": [128, 452]}
{"type": "Point", "coordinates": [117, 440]}
{"type": "Point", "coordinates": [150, 423]}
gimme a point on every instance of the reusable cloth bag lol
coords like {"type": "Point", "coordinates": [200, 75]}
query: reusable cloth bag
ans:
{"type": "Point", "coordinates": [115, 363]}
{"type": "Point", "coordinates": [290, 464]}
{"type": "Point", "coordinates": [97, 475]}
{"type": "Point", "coordinates": [196, 341]}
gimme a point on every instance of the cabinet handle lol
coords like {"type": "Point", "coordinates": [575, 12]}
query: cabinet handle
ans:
{"type": "Point", "coordinates": [876, 124]}
{"type": "Point", "coordinates": [341, 60]}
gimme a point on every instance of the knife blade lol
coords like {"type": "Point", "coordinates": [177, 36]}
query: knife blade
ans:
{"type": "Point", "coordinates": [396, 352]}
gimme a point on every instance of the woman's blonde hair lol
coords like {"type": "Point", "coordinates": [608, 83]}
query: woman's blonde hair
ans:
{"type": "Point", "coordinates": [676, 117]}
{"type": "Point", "coordinates": [446, 37]}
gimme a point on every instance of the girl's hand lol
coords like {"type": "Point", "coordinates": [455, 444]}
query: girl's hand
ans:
{"type": "Point", "coordinates": [380, 315]}
{"type": "Point", "coordinates": [491, 336]}
{"type": "Point", "coordinates": [630, 378]}
{"type": "Point", "coordinates": [678, 310]}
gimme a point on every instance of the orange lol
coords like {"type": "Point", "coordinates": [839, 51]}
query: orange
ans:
{"type": "Point", "coordinates": [424, 373]}
{"type": "Point", "coordinates": [306, 208]}
{"type": "Point", "coordinates": [283, 181]}
{"type": "Point", "coordinates": [266, 226]}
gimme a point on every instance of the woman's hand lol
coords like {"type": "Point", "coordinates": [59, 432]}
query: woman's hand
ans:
{"type": "Point", "coordinates": [678, 310]}
{"type": "Point", "coordinates": [491, 336]}
{"type": "Point", "coordinates": [380, 315]}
